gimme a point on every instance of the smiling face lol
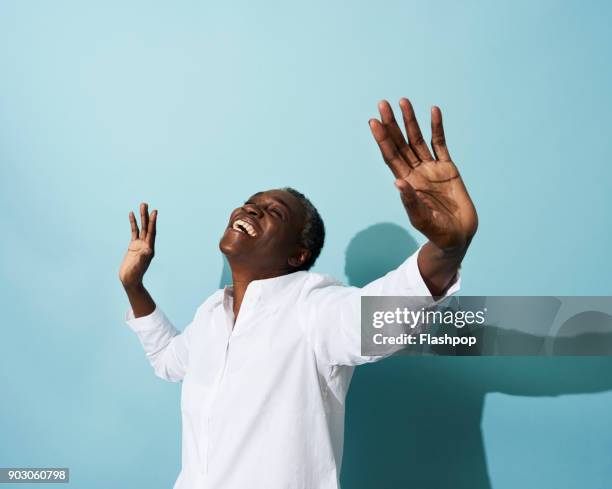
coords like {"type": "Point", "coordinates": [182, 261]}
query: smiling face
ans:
{"type": "Point", "coordinates": [263, 236]}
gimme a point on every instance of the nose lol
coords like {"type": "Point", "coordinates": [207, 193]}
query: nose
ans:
{"type": "Point", "coordinates": [253, 210]}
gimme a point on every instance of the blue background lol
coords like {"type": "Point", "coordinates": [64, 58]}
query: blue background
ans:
{"type": "Point", "coordinates": [193, 106]}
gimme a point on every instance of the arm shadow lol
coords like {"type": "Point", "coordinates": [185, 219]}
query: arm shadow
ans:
{"type": "Point", "coordinates": [415, 421]}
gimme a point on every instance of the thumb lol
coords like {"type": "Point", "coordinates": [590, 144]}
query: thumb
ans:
{"type": "Point", "coordinates": [407, 193]}
{"type": "Point", "coordinates": [417, 210]}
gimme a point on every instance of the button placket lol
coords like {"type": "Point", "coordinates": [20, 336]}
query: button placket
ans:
{"type": "Point", "coordinates": [206, 424]}
{"type": "Point", "coordinates": [252, 295]}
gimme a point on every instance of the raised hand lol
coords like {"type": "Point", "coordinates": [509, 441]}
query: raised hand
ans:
{"type": "Point", "coordinates": [430, 186]}
{"type": "Point", "coordinates": [141, 249]}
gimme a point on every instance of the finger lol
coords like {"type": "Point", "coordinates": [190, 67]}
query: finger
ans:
{"type": "Point", "coordinates": [388, 149]}
{"type": "Point", "coordinates": [418, 212]}
{"type": "Point", "coordinates": [438, 141]}
{"type": "Point", "coordinates": [152, 229]}
{"type": "Point", "coordinates": [144, 220]}
{"type": "Point", "coordinates": [134, 226]}
{"type": "Point", "coordinates": [388, 119]}
{"type": "Point", "coordinates": [415, 137]}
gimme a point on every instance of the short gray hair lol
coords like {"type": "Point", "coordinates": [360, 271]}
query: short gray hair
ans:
{"type": "Point", "coordinates": [313, 234]}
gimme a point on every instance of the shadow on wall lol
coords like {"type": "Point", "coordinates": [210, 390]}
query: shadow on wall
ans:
{"type": "Point", "coordinates": [414, 422]}
{"type": "Point", "coordinates": [226, 273]}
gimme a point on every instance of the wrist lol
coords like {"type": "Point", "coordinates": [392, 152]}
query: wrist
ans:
{"type": "Point", "coordinates": [458, 250]}
{"type": "Point", "coordinates": [450, 250]}
{"type": "Point", "coordinates": [134, 287]}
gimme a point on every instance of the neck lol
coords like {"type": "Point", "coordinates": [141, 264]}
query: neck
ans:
{"type": "Point", "coordinates": [241, 279]}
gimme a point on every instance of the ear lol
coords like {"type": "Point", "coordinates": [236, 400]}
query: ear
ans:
{"type": "Point", "coordinates": [300, 258]}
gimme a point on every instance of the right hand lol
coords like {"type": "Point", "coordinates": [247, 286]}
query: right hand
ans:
{"type": "Point", "coordinates": [141, 249]}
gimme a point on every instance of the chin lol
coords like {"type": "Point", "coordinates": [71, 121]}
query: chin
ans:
{"type": "Point", "coordinates": [226, 246]}
{"type": "Point", "coordinates": [231, 245]}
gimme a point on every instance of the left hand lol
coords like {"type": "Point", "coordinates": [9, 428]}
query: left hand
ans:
{"type": "Point", "coordinates": [431, 187]}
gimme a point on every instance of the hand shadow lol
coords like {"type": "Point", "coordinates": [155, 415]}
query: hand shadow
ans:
{"type": "Point", "coordinates": [414, 421]}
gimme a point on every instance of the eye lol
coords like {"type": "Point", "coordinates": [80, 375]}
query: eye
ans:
{"type": "Point", "coordinates": [276, 212]}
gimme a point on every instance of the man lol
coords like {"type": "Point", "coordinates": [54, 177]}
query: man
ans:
{"type": "Point", "coordinates": [266, 364]}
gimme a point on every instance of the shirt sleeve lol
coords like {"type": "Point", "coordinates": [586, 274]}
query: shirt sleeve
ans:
{"type": "Point", "coordinates": [166, 348]}
{"type": "Point", "coordinates": [332, 313]}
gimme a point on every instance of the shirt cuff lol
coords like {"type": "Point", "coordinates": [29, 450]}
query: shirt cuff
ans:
{"type": "Point", "coordinates": [145, 323]}
{"type": "Point", "coordinates": [417, 281]}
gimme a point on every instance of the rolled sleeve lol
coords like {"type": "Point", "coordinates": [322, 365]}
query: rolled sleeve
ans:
{"type": "Point", "coordinates": [409, 271]}
{"type": "Point", "coordinates": [165, 347]}
{"type": "Point", "coordinates": [146, 323]}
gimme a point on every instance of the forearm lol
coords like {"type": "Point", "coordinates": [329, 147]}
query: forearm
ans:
{"type": "Point", "coordinates": [439, 267]}
{"type": "Point", "coordinates": [140, 300]}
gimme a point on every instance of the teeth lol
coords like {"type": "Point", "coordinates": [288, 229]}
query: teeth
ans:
{"type": "Point", "coordinates": [240, 225]}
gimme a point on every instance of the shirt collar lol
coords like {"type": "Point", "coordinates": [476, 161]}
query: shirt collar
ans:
{"type": "Point", "coordinates": [265, 290]}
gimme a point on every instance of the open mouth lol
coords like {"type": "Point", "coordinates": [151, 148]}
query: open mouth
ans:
{"type": "Point", "coordinates": [242, 226]}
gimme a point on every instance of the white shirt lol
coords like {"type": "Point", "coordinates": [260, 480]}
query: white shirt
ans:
{"type": "Point", "coordinates": [262, 400]}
